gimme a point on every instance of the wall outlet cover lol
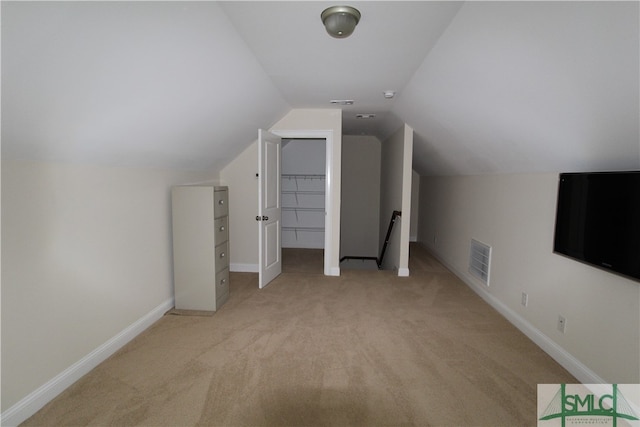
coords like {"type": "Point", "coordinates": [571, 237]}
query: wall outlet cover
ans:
{"type": "Point", "coordinates": [562, 324]}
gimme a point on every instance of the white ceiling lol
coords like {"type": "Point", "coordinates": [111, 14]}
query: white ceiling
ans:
{"type": "Point", "coordinates": [311, 68]}
{"type": "Point", "coordinates": [489, 87]}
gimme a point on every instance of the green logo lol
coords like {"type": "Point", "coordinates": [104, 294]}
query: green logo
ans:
{"type": "Point", "coordinates": [586, 406]}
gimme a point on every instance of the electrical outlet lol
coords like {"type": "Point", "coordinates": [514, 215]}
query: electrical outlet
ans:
{"type": "Point", "coordinates": [562, 324]}
{"type": "Point", "coordinates": [525, 299]}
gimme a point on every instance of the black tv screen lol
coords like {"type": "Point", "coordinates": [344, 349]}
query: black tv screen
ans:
{"type": "Point", "coordinates": [598, 220]}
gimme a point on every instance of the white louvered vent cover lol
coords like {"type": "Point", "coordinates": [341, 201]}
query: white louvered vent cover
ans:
{"type": "Point", "coordinates": [480, 261]}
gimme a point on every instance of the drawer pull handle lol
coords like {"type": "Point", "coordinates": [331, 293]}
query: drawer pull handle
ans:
{"type": "Point", "coordinates": [222, 255]}
{"type": "Point", "coordinates": [223, 281]}
{"type": "Point", "coordinates": [221, 202]}
{"type": "Point", "coordinates": [222, 228]}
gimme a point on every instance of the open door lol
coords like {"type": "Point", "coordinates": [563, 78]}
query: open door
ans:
{"type": "Point", "coordinates": [269, 209]}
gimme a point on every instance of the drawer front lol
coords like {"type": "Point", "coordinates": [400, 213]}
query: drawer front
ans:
{"type": "Point", "coordinates": [220, 203]}
{"type": "Point", "coordinates": [222, 256]}
{"type": "Point", "coordinates": [222, 283]}
{"type": "Point", "coordinates": [221, 229]}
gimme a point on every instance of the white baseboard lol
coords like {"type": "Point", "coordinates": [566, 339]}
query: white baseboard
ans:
{"type": "Point", "coordinates": [403, 272]}
{"type": "Point", "coordinates": [559, 354]}
{"type": "Point", "coordinates": [46, 392]}
{"type": "Point", "coordinates": [253, 268]}
{"type": "Point", "coordinates": [332, 271]}
{"type": "Point", "coordinates": [243, 268]}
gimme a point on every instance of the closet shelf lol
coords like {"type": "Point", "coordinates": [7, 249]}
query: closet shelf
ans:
{"type": "Point", "coordinates": [303, 186]}
{"type": "Point", "coordinates": [303, 176]}
{"type": "Point", "coordinates": [293, 208]}
{"type": "Point", "coordinates": [318, 192]}
{"type": "Point", "coordinates": [321, 229]}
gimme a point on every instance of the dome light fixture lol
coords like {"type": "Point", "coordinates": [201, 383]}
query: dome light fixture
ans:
{"type": "Point", "coordinates": [340, 21]}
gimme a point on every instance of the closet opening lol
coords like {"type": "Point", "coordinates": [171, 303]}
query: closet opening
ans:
{"type": "Point", "coordinates": [303, 191]}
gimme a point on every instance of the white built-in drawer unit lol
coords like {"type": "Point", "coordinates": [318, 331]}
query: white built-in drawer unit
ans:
{"type": "Point", "coordinates": [200, 217]}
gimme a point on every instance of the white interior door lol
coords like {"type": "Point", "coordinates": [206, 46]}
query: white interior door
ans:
{"type": "Point", "coordinates": [269, 209]}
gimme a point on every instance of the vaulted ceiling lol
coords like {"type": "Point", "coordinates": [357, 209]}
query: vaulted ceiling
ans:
{"type": "Point", "coordinates": [489, 87]}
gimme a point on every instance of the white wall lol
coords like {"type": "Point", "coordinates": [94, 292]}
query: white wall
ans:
{"type": "Point", "coordinates": [395, 195]}
{"type": "Point", "coordinates": [415, 204]}
{"type": "Point", "coordinates": [515, 215]}
{"type": "Point", "coordinates": [240, 177]}
{"type": "Point", "coordinates": [304, 156]}
{"type": "Point", "coordinates": [86, 253]}
{"type": "Point", "coordinates": [360, 214]}
{"type": "Point", "coordinates": [154, 84]}
{"type": "Point", "coordinates": [528, 86]}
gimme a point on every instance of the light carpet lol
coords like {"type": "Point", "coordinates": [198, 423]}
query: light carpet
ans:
{"type": "Point", "coordinates": [366, 348]}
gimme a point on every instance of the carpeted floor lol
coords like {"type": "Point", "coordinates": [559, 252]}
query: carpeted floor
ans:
{"type": "Point", "coordinates": [366, 348]}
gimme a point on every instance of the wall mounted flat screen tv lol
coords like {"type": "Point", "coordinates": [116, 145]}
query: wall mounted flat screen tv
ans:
{"type": "Point", "coordinates": [598, 220]}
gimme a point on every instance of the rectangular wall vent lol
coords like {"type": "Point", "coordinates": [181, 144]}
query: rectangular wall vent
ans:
{"type": "Point", "coordinates": [480, 261]}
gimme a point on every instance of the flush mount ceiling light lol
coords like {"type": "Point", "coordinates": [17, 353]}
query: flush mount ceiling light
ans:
{"type": "Point", "coordinates": [340, 21]}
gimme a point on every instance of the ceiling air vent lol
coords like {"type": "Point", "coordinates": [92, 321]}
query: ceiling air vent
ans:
{"type": "Point", "coordinates": [342, 101]}
{"type": "Point", "coordinates": [480, 261]}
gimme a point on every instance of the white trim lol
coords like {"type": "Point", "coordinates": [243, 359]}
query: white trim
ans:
{"type": "Point", "coordinates": [559, 354]}
{"type": "Point", "coordinates": [243, 268]}
{"type": "Point", "coordinates": [403, 272]}
{"type": "Point", "coordinates": [35, 400]}
{"type": "Point", "coordinates": [329, 225]}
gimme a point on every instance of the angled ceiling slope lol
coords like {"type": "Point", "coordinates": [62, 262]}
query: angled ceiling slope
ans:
{"type": "Point", "coordinates": [489, 87]}
{"type": "Point", "coordinates": [515, 87]}
{"type": "Point", "coordinates": [162, 84]}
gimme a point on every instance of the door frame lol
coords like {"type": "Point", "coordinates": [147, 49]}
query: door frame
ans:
{"type": "Point", "coordinates": [332, 212]}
